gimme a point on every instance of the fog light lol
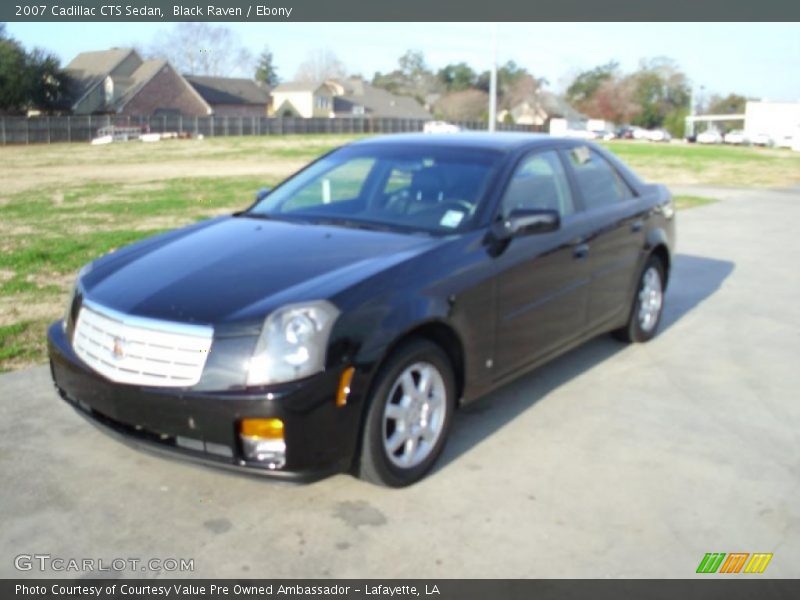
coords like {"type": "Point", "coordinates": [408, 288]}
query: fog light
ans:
{"type": "Point", "coordinates": [262, 441]}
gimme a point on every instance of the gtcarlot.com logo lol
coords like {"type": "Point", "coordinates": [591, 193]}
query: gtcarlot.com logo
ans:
{"type": "Point", "coordinates": [47, 562]}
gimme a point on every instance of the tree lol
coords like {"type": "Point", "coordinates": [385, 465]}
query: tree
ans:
{"type": "Point", "coordinates": [675, 122]}
{"type": "Point", "coordinates": [411, 78]}
{"type": "Point", "coordinates": [203, 49]}
{"type": "Point", "coordinates": [266, 72]}
{"type": "Point", "coordinates": [413, 67]}
{"type": "Point", "coordinates": [507, 75]}
{"type": "Point", "coordinates": [525, 88]}
{"type": "Point", "coordinates": [47, 83]}
{"type": "Point", "coordinates": [661, 89]}
{"type": "Point", "coordinates": [457, 77]}
{"type": "Point", "coordinates": [467, 105]}
{"type": "Point", "coordinates": [732, 104]}
{"type": "Point", "coordinates": [320, 65]}
{"type": "Point", "coordinates": [614, 100]}
{"type": "Point", "coordinates": [580, 92]}
{"type": "Point", "coordinates": [29, 80]}
{"type": "Point", "coordinates": [12, 76]}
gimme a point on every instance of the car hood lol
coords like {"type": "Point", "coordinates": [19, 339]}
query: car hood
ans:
{"type": "Point", "coordinates": [236, 269]}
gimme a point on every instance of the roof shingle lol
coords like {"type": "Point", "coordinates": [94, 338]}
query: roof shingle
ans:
{"type": "Point", "coordinates": [228, 90]}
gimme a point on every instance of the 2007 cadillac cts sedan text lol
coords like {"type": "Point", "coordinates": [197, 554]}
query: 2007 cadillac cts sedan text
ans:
{"type": "Point", "coordinates": [338, 323]}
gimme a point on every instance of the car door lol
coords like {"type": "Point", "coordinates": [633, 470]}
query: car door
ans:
{"type": "Point", "coordinates": [617, 235]}
{"type": "Point", "coordinates": [541, 281]}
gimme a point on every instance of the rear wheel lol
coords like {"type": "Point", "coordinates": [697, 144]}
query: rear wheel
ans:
{"type": "Point", "coordinates": [409, 415]}
{"type": "Point", "coordinates": [647, 306]}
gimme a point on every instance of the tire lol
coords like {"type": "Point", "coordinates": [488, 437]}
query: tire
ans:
{"type": "Point", "coordinates": [405, 434]}
{"type": "Point", "coordinates": [642, 322]}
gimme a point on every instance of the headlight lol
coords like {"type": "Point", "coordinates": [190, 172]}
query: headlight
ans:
{"type": "Point", "coordinates": [292, 343]}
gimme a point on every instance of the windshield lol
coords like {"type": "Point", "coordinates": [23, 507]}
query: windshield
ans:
{"type": "Point", "coordinates": [436, 190]}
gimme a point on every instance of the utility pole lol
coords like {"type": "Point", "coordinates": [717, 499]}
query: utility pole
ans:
{"type": "Point", "coordinates": [493, 82]}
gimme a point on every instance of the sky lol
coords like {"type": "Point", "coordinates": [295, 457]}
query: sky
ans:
{"type": "Point", "coordinates": [758, 60]}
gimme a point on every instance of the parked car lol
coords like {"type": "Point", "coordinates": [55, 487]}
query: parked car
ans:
{"type": "Point", "coordinates": [624, 133]}
{"type": "Point", "coordinates": [659, 135]}
{"type": "Point", "coordinates": [581, 134]}
{"type": "Point", "coordinates": [710, 136]}
{"type": "Point", "coordinates": [785, 141]}
{"type": "Point", "coordinates": [736, 137]}
{"type": "Point", "coordinates": [604, 134]}
{"type": "Point", "coordinates": [762, 139]}
{"type": "Point", "coordinates": [337, 323]}
{"type": "Point", "coordinates": [639, 133]}
{"type": "Point", "coordinates": [440, 127]}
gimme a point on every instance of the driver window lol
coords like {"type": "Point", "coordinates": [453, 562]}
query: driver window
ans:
{"type": "Point", "coordinates": [341, 183]}
{"type": "Point", "coordinates": [539, 183]}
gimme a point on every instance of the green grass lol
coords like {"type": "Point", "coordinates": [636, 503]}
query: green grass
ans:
{"type": "Point", "coordinates": [710, 165]}
{"type": "Point", "coordinates": [16, 343]}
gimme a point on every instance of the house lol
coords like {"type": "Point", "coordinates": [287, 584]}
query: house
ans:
{"type": "Point", "coordinates": [524, 113]}
{"type": "Point", "coordinates": [119, 81]}
{"type": "Point", "coordinates": [538, 110]}
{"type": "Point", "coordinates": [351, 97]}
{"type": "Point", "coordinates": [232, 97]}
{"type": "Point", "coordinates": [305, 99]}
{"type": "Point", "coordinates": [355, 97]}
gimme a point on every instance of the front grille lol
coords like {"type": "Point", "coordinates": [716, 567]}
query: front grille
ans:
{"type": "Point", "coordinates": [138, 350]}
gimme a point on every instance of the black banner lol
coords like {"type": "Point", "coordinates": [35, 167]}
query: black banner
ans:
{"type": "Point", "coordinates": [407, 10]}
{"type": "Point", "coordinates": [714, 588]}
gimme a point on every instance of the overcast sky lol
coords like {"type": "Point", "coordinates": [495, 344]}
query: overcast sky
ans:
{"type": "Point", "coordinates": [760, 60]}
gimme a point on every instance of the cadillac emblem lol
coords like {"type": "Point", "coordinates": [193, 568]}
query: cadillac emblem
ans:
{"type": "Point", "coordinates": [118, 351]}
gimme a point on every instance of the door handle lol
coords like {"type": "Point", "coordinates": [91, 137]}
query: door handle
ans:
{"type": "Point", "coordinates": [636, 226]}
{"type": "Point", "coordinates": [580, 251]}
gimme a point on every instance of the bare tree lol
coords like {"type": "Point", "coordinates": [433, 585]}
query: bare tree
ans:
{"type": "Point", "coordinates": [466, 105]}
{"type": "Point", "coordinates": [525, 88]}
{"type": "Point", "coordinates": [615, 101]}
{"type": "Point", "coordinates": [320, 65]}
{"type": "Point", "coordinates": [203, 49]}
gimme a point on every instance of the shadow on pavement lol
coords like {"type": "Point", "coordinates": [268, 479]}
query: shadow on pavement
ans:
{"type": "Point", "coordinates": [693, 279]}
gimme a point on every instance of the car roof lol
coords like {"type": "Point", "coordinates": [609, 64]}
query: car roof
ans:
{"type": "Point", "coordinates": [502, 141]}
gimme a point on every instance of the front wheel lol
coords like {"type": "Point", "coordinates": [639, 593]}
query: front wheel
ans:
{"type": "Point", "coordinates": [648, 304]}
{"type": "Point", "coordinates": [409, 415]}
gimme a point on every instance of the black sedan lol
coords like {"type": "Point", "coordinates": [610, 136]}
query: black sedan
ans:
{"type": "Point", "coordinates": [338, 323]}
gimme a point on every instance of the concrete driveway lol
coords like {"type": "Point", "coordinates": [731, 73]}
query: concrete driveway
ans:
{"type": "Point", "coordinates": [612, 461]}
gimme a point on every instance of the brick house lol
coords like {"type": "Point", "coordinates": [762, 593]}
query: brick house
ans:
{"type": "Point", "coordinates": [119, 81]}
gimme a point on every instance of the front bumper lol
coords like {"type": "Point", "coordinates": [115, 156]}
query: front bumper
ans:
{"type": "Point", "coordinates": [320, 437]}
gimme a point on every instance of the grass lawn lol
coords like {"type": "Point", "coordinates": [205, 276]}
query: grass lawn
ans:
{"type": "Point", "coordinates": [694, 164]}
{"type": "Point", "coordinates": [65, 204]}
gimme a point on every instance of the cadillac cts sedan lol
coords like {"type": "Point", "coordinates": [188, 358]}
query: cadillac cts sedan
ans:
{"type": "Point", "coordinates": [338, 323]}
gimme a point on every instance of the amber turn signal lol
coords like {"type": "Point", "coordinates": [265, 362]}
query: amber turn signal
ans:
{"type": "Point", "coordinates": [262, 429]}
{"type": "Point", "coordinates": [344, 386]}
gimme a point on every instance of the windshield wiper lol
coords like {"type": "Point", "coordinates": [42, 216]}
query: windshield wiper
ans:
{"type": "Point", "coordinates": [351, 223]}
{"type": "Point", "coordinates": [263, 216]}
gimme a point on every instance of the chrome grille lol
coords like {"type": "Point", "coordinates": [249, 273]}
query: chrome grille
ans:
{"type": "Point", "coordinates": [140, 351]}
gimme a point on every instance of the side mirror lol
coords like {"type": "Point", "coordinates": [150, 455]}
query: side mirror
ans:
{"type": "Point", "coordinates": [526, 221]}
{"type": "Point", "coordinates": [262, 193]}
